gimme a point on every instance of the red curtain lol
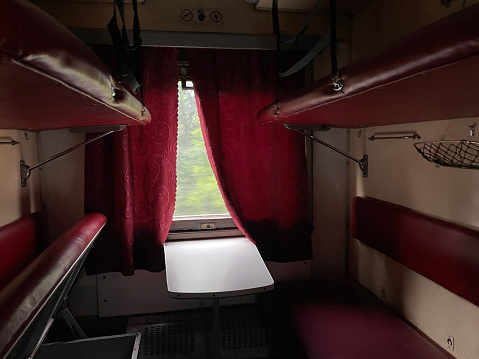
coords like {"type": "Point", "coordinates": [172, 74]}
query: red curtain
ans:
{"type": "Point", "coordinates": [131, 177]}
{"type": "Point", "coordinates": [260, 168]}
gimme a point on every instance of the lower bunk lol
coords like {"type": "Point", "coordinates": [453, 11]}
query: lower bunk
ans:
{"type": "Point", "coordinates": [337, 318]}
{"type": "Point", "coordinates": [330, 318]}
{"type": "Point", "coordinates": [36, 278]}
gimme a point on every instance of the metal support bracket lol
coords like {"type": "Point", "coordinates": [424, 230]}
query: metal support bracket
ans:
{"type": "Point", "coordinates": [70, 321]}
{"type": "Point", "coordinates": [363, 162]}
{"type": "Point", "coordinates": [24, 173]}
{"type": "Point", "coordinates": [25, 170]}
{"type": "Point", "coordinates": [364, 165]}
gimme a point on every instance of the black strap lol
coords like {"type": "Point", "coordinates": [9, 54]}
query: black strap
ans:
{"type": "Point", "coordinates": [276, 29]}
{"type": "Point", "coordinates": [137, 41]}
{"type": "Point", "coordinates": [334, 41]}
{"type": "Point", "coordinates": [305, 26]}
{"type": "Point", "coordinates": [117, 46]}
{"type": "Point", "coordinates": [338, 83]}
{"type": "Point", "coordinates": [127, 57]}
{"type": "Point", "coordinates": [320, 45]}
{"type": "Point", "coordinates": [277, 32]}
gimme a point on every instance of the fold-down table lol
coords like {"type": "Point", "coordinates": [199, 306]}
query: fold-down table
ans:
{"type": "Point", "coordinates": [215, 268]}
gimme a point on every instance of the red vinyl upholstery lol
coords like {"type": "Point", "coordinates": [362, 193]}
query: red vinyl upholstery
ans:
{"type": "Point", "coordinates": [24, 300]}
{"type": "Point", "coordinates": [20, 242]}
{"type": "Point", "coordinates": [430, 74]}
{"type": "Point", "coordinates": [337, 318]}
{"type": "Point", "coordinates": [49, 79]}
{"type": "Point", "coordinates": [444, 252]}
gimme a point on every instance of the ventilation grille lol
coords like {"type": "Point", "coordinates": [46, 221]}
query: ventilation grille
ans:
{"type": "Point", "coordinates": [168, 340]}
{"type": "Point", "coordinates": [243, 333]}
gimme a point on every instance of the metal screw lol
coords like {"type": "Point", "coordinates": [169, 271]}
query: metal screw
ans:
{"type": "Point", "coordinates": [472, 129]}
{"type": "Point", "coordinates": [276, 110]}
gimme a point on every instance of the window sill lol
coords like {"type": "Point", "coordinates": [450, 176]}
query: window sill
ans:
{"type": "Point", "coordinates": [204, 234]}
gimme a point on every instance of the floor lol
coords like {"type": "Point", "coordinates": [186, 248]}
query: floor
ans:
{"type": "Point", "coordinates": [245, 333]}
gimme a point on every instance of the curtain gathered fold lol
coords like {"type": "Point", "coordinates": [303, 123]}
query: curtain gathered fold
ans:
{"type": "Point", "coordinates": [131, 177]}
{"type": "Point", "coordinates": [260, 168]}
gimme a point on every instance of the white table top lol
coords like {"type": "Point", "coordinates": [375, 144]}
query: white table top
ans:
{"type": "Point", "coordinates": [215, 268]}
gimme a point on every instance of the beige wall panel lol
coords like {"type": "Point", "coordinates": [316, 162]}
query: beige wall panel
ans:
{"type": "Point", "coordinates": [433, 309]}
{"type": "Point", "coordinates": [62, 180]}
{"type": "Point", "coordinates": [118, 294]}
{"type": "Point", "coordinates": [398, 174]}
{"type": "Point", "coordinates": [238, 17]}
{"type": "Point", "coordinates": [16, 201]}
{"type": "Point", "coordinates": [330, 184]}
{"type": "Point", "coordinates": [384, 21]}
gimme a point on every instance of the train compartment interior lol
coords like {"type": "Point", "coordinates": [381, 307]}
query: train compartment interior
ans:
{"type": "Point", "coordinates": [395, 265]}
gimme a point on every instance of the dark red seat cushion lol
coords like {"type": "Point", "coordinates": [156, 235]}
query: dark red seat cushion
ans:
{"type": "Point", "coordinates": [338, 318]}
{"type": "Point", "coordinates": [31, 297]}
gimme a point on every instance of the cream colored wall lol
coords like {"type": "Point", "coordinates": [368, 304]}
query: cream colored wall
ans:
{"type": "Point", "coordinates": [16, 201]}
{"type": "Point", "coordinates": [156, 15]}
{"type": "Point", "coordinates": [62, 180]}
{"type": "Point", "coordinates": [330, 179]}
{"type": "Point", "coordinates": [398, 174]}
{"type": "Point", "coordinates": [330, 198]}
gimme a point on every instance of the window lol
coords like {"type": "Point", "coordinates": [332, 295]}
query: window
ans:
{"type": "Point", "coordinates": [197, 190]}
{"type": "Point", "coordinates": [199, 204]}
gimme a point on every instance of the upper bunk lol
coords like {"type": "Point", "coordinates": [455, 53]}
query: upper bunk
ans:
{"type": "Point", "coordinates": [430, 74]}
{"type": "Point", "coordinates": [49, 79]}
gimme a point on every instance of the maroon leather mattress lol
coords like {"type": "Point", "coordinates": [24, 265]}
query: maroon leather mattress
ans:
{"type": "Point", "coordinates": [430, 74]}
{"type": "Point", "coordinates": [49, 79]}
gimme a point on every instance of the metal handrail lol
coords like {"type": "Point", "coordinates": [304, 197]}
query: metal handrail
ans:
{"type": "Point", "coordinates": [395, 136]}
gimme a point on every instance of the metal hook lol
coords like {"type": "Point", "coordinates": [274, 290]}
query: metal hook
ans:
{"type": "Point", "coordinates": [338, 85]}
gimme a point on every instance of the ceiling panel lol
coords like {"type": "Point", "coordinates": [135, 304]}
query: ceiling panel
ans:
{"type": "Point", "coordinates": [345, 6]}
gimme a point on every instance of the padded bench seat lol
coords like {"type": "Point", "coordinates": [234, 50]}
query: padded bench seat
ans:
{"type": "Point", "coordinates": [339, 319]}
{"type": "Point", "coordinates": [38, 285]}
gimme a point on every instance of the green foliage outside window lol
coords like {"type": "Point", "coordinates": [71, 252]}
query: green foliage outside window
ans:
{"type": "Point", "coordinates": [197, 192]}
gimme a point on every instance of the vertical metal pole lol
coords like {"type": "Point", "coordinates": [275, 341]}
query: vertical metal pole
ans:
{"type": "Point", "coordinates": [348, 206]}
{"type": "Point", "coordinates": [216, 329]}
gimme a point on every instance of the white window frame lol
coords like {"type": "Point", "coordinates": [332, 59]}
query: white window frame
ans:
{"type": "Point", "coordinates": [203, 227]}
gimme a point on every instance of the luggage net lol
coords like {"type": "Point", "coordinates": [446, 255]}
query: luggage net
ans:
{"type": "Point", "coordinates": [458, 154]}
